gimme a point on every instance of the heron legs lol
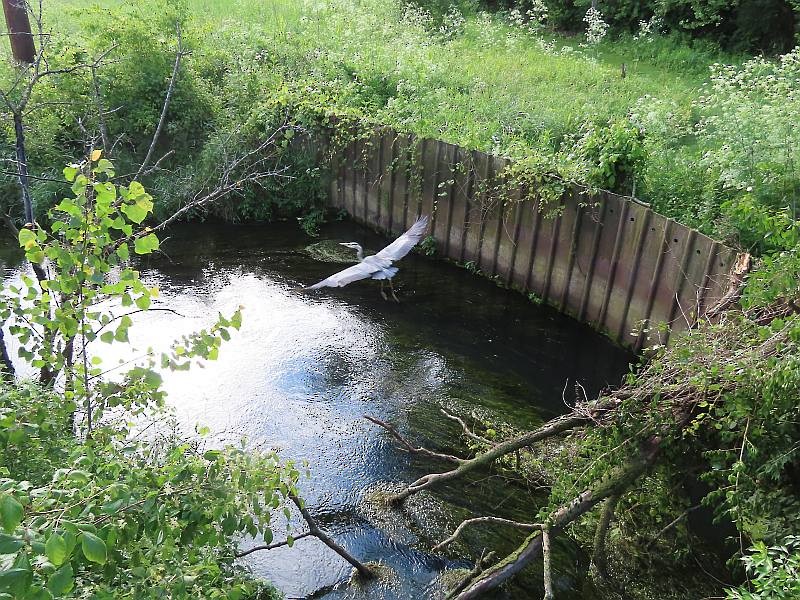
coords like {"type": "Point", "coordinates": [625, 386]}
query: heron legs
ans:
{"type": "Point", "coordinates": [391, 288]}
{"type": "Point", "coordinates": [394, 296]}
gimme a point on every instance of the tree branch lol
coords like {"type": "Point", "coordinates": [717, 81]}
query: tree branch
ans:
{"type": "Point", "coordinates": [167, 99]}
{"type": "Point", "coordinates": [410, 447]}
{"type": "Point", "coordinates": [560, 518]}
{"type": "Point", "coordinates": [464, 524]}
{"type": "Point", "coordinates": [274, 545]}
{"type": "Point", "coordinates": [313, 529]}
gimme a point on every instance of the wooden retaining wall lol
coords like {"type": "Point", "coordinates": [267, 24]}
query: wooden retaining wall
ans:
{"type": "Point", "coordinates": [606, 260]}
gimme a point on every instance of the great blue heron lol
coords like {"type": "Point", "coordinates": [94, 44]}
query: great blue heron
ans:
{"type": "Point", "coordinates": [377, 266]}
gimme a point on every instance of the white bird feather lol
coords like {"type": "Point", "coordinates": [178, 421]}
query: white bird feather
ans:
{"type": "Point", "coordinates": [378, 266]}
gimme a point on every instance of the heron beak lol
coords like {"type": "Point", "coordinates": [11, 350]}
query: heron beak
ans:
{"type": "Point", "coordinates": [343, 244]}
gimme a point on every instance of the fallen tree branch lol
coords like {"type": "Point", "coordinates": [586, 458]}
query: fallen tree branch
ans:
{"type": "Point", "coordinates": [467, 431]}
{"type": "Point", "coordinates": [548, 567]}
{"type": "Point", "coordinates": [550, 429]}
{"type": "Point", "coordinates": [313, 529]}
{"type": "Point", "coordinates": [560, 518]}
{"type": "Point", "coordinates": [479, 567]}
{"type": "Point", "coordinates": [599, 551]}
{"type": "Point", "coordinates": [464, 524]}
{"type": "Point", "coordinates": [410, 447]}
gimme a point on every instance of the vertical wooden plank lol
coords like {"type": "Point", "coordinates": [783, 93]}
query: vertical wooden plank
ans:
{"type": "Point", "coordinates": [430, 180]}
{"type": "Point", "coordinates": [444, 198]}
{"type": "Point", "coordinates": [530, 282]}
{"type": "Point", "coordinates": [477, 197]}
{"type": "Point", "coordinates": [509, 244]}
{"type": "Point", "coordinates": [386, 189]}
{"type": "Point", "coordinates": [566, 245]}
{"type": "Point", "coordinates": [523, 257]}
{"type": "Point", "coordinates": [416, 173]}
{"type": "Point", "coordinates": [401, 166]}
{"type": "Point", "coordinates": [350, 177]}
{"type": "Point", "coordinates": [459, 205]}
{"type": "Point", "coordinates": [674, 253]}
{"type": "Point", "coordinates": [492, 219]}
{"type": "Point", "coordinates": [605, 265]}
{"type": "Point", "coordinates": [552, 256]}
{"type": "Point", "coordinates": [595, 214]}
{"type": "Point", "coordinates": [631, 264]}
{"type": "Point", "coordinates": [546, 236]}
{"type": "Point", "coordinates": [372, 180]}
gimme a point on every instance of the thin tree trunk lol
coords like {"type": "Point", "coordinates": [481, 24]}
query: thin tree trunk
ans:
{"type": "Point", "coordinates": [22, 167]}
{"type": "Point", "coordinates": [8, 371]}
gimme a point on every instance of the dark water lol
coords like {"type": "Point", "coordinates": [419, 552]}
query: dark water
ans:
{"type": "Point", "coordinates": [306, 367]}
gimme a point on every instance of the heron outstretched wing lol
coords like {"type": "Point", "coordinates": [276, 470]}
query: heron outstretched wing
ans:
{"type": "Point", "coordinates": [362, 270]}
{"type": "Point", "coordinates": [382, 261]}
{"type": "Point", "coordinates": [403, 245]}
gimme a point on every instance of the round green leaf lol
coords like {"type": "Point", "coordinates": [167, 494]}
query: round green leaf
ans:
{"type": "Point", "coordinates": [62, 581]}
{"type": "Point", "coordinates": [56, 549]}
{"type": "Point", "coordinates": [94, 549]}
{"type": "Point", "coordinates": [10, 512]}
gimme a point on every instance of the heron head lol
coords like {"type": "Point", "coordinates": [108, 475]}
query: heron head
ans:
{"type": "Point", "coordinates": [351, 245]}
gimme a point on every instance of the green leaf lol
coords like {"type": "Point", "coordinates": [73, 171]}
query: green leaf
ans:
{"type": "Point", "coordinates": [70, 172]}
{"type": "Point", "coordinates": [107, 337]}
{"type": "Point", "coordinates": [123, 252]}
{"type": "Point", "coordinates": [146, 244]}
{"type": "Point", "coordinates": [56, 549]}
{"type": "Point", "coordinates": [143, 302]}
{"type": "Point", "coordinates": [27, 238]}
{"type": "Point", "coordinates": [16, 580]}
{"type": "Point", "coordinates": [61, 582]}
{"type": "Point", "coordinates": [9, 544]}
{"type": "Point", "coordinates": [10, 512]}
{"type": "Point", "coordinates": [94, 548]}
{"type": "Point", "coordinates": [134, 212]}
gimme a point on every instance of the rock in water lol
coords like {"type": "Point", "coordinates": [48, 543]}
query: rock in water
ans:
{"type": "Point", "coordinates": [331, 252]}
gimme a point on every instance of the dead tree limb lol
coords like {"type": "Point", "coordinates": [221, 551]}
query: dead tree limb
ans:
{"type": "Point", "coordinates": [410, 447]}
{"type": "Point", "coordinates": [464, 524]}
{"type": "Point", "coordinates": [313, 529]}
{"type": "Point", "coordinates": [531, 548]}
{"type": "Point", "coordinates": [479, 567]}
{"type": "Point", "coordinates": [550, 429]}
{"type": "Point", "coordinates": [548, 565]}
{"type": "Point", "coordinates": [599, 552]}
{"type": "Point", "coordinates": [467, 431]}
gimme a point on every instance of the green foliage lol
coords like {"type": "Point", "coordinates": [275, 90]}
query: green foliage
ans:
{"type": "Point", "coordinates": [774, 572]}
{"type": "Point", "coordinates": [614, 154]}
{"type": "Point", "coordinates": [113, 512]}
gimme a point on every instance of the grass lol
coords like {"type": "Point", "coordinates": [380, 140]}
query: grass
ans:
{"type": "Point", "coordinates": [481, 82]}
{"type": "Point", "coordinates": [487, 86]}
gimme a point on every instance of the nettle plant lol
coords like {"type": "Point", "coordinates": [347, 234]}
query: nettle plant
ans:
{"type": "Point", "coordinates": [98, 497]}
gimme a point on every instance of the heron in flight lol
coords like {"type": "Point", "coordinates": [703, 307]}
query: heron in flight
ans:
{"type": "Point", "coordinates": [377, 266]}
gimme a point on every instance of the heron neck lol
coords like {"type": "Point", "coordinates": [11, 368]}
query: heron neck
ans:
{"type": "Point", "coordinates": [360, 253]}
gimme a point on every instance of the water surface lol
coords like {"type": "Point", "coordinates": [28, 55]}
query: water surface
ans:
{"type": "Point", "coordinates": [306, 367]}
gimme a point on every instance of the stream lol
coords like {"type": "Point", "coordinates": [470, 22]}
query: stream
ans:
{"type": "Point", "coordinates": [307, 366]}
